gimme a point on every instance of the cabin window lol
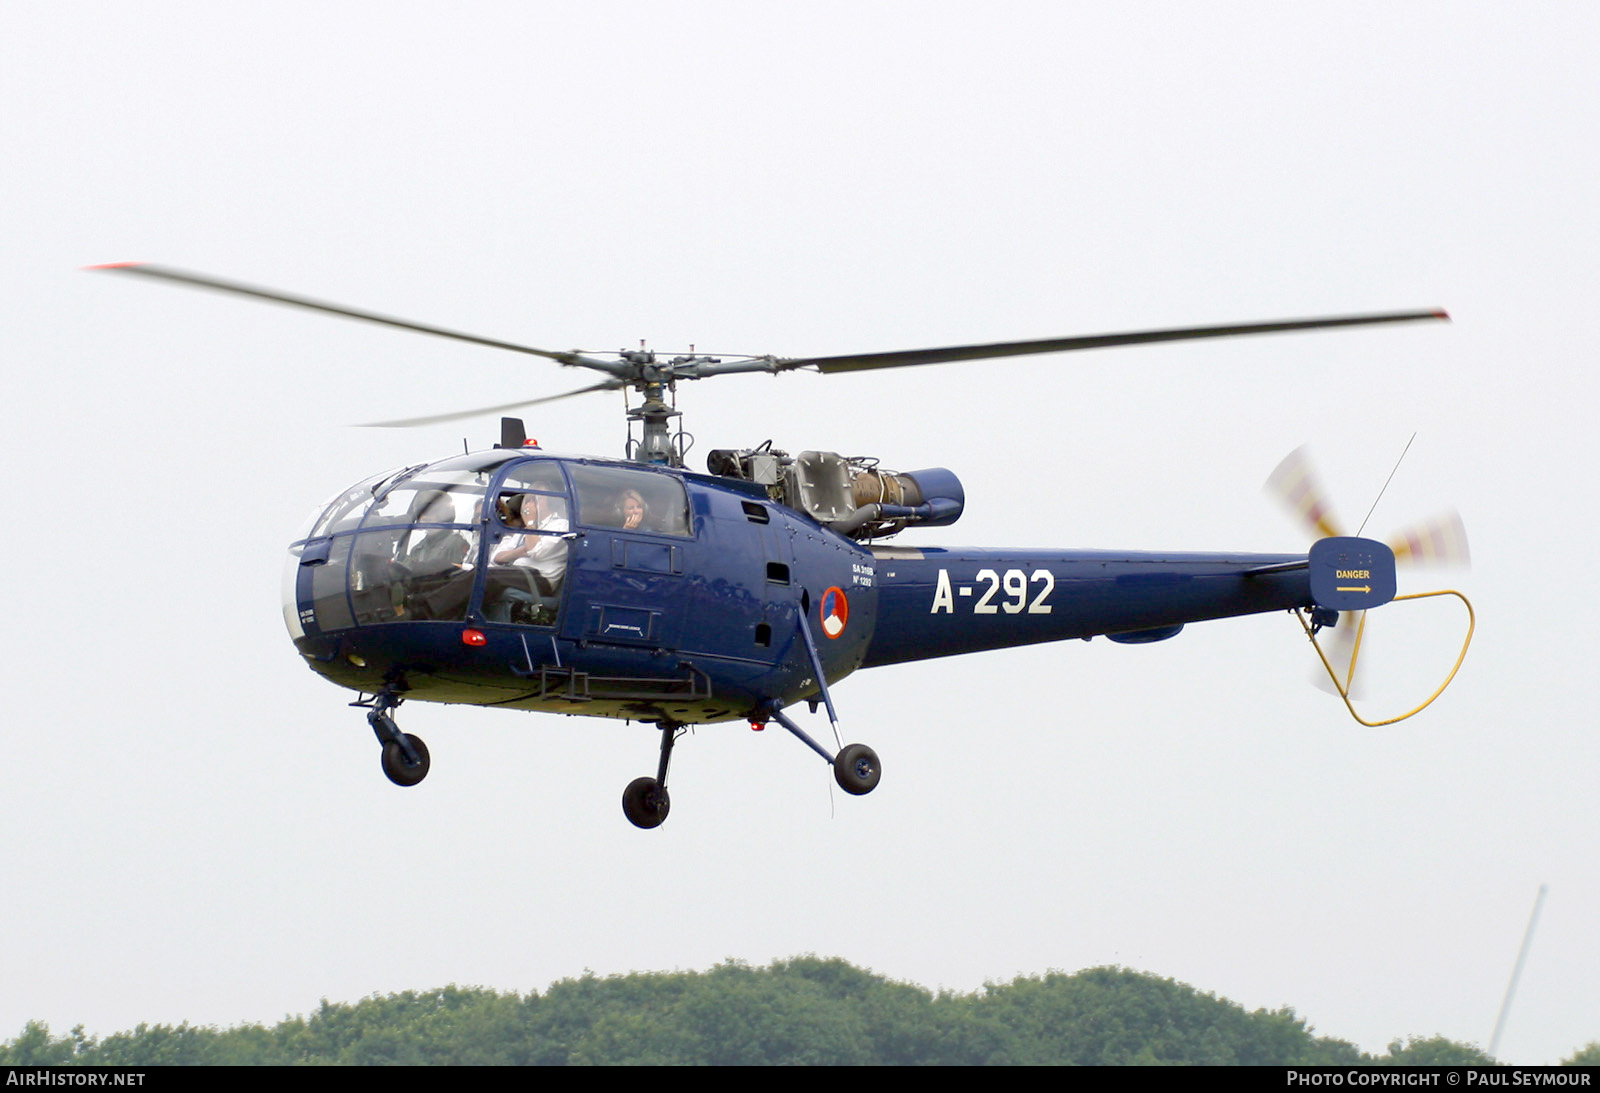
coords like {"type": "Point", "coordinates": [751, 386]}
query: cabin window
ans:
{"type": "Point", "coordinates": [530, 548]}
{"type": "Point", "coordinates": [631, 500]}
{"type": "Point", "coordinates": [543, 475]}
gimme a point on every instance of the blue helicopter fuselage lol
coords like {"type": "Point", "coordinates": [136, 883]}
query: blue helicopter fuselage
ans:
{"type": "Point", "coordinates": [595, 587]}
{"type": "Point", "coordinates": [640, 591]}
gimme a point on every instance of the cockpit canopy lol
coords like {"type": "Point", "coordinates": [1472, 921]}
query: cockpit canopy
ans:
{"type": "Point", "coordinates": [484, 534]}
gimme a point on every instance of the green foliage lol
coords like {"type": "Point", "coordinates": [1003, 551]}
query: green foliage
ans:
{"type": "Point", "coordinates": [1113, 1016]}
{"type": "Point", "coordinates": [1435, 1051]}
{"type": "Point", "coordinates": [1588, 1055]}
{"type": "Point", "coordinates": [804, 1011]}
{"type": "Point", "coordinates": [35, 1047]}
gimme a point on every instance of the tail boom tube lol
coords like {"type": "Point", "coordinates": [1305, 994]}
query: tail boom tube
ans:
{"type": "Point", "coordinates": [939, 602]}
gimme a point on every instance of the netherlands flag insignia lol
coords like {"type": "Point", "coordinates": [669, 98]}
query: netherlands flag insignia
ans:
{"type": "Point", "coordinates": [834, 612]}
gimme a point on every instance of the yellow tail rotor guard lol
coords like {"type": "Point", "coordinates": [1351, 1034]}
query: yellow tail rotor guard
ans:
{"type": "Point", "coordinates": [1343, 686]}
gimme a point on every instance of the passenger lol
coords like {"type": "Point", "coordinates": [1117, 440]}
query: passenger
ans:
{"type": "Point", "coordinates": [509, 509]}
{"type": "Point", "coordinates": [540, 560]}
{"type": "Point", "coordinates": [631, 507]}
{"type": "Point", "coordinates": [545, 554]}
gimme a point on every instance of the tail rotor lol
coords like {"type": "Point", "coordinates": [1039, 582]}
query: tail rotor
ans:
{"type": "Point", "coordinates": [1438, 540]}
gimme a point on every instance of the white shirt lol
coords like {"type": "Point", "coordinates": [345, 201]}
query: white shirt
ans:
{"type": "Point", "coordinates": [547, 555]}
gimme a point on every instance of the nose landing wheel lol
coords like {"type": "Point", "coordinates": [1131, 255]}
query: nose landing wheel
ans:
{"type": "Point", "coordinates": [395, 765]}
{"type": "Point", "coordinates": [405, 757]}
{"type": "Point", "coordinates": [645, 802]}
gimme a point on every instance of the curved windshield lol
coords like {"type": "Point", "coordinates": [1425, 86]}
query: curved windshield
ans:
{"type": "Point", "coordinates": [332, 514]}
{"type": "Point", "coordinates": [397, 546]}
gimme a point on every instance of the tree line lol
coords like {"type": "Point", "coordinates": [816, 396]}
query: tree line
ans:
{"type": "Point", "coordinates": [808, 1010]}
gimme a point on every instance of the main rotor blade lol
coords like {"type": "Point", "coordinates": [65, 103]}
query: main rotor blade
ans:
{"type": "Point", "coordinates": [217, 284]}
{"type": "Point", "coordinates": [856, 362]}
{"type": "Point", "coordinates": [456, 415]}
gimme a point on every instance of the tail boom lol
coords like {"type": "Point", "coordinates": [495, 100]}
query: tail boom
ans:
{"type": "Point", "coordinates": [937, 602]}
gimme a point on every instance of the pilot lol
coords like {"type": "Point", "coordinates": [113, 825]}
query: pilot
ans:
{"type": "Point", "coordinates": [437, 549]}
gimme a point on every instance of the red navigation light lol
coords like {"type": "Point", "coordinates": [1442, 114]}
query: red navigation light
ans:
{"type": "Point", "coordinates": [757, 726]}
{"type": "Point", "coordinates": [474, 637]}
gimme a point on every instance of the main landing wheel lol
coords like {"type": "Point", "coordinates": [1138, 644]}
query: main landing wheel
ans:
{"type": "Point", "coordinates": [645, 802]}
{"type": "Point", "coordinates": [397, 769]}
{"type": "Point", "coordinates": [856, 769]}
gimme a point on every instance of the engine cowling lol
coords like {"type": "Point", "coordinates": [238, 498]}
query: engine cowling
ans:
{"type": "Point", "coordinates": [853, 496]}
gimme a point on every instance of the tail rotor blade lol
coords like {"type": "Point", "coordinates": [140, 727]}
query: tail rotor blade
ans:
{"type": "Point", "coordinates": [1340, 649]}
{"type": "Point", "coordinates": [1295, 483]}
{"type": "Point", "coordinates": [1441, 540]}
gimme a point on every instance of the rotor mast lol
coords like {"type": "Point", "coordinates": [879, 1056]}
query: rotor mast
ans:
{"type": "Point", "coordinates": [653, 382]}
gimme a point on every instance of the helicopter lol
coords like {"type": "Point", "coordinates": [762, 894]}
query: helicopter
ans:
{"type": "Point", "coordinates": [638, 589]}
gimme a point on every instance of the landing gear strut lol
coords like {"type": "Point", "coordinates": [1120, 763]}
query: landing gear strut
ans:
{"type": "Point", "coordinates": [855, 767]}
{"type": "Point", "coordinates": [404, 757]}
{"type": "Point", "coordinates": [645, 801]}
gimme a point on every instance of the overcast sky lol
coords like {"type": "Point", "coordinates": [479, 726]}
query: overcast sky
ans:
{"type": "Point", "coordinates": [195, 826]}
